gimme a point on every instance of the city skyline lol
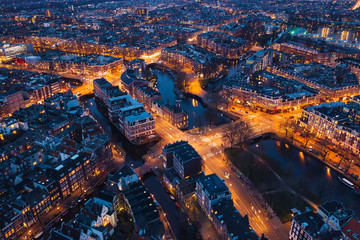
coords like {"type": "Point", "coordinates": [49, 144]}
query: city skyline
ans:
{"type": "Point", "coordinates": [182, 119]}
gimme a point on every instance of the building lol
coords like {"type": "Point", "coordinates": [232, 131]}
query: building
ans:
{"type": "Point", "coordinates": [146, 95]}
{"type": "Point", "coordinates": [268, 92]}
{"type": "Point", "coordinates": [11, 101]}
{"type": "Point", "coordinates": [120, 180]}
{"type": "Point", "coordinates": [73, 173]}
{"type": "Point", "coordinates": [331, 221]}
{"type": "Point", "coordinates": [10, 126]}
{"type": "Point", "coordinates": [173, 113]}
{"type": "Point", "coordinates": [258, 61]}
{"type": "Point", "coordinates": [351, 230]}
{"type": "Point", "coordinates": [222, 44]}
{"type": "Point", "coordinates": [138, 202]}
{"type": "Point", "coordinates": [333, 121]}
{"type": "Point", "coordinates": [183, 158]}
{"type": "Point", "coordinates": [209, 190]}
{"type": "Point", "coordinates": [229, 222]}
{"type": "Point", "coordinates": [333, 83]}
{"type": "Point", "coordinates": [199, 60]}
{"type": "Point", "coordinates": [8, 51]}
{"type": "Point", "coordinates": [306, 225]}
{"type": "Point", "coordinates": [354, 64]}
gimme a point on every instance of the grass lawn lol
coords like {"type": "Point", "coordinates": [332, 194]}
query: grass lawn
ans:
{"type": "Point", "coordinates": [283, 202]}
{"type": "Point", "coordinates": [258, 173]}
{"type": "Point", "coordinates": [265, 181]}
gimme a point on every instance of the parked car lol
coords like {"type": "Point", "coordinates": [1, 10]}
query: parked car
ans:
{"type": "Point", "coordinates": [310, 149]}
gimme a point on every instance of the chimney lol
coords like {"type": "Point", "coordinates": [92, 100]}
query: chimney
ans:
{"type": "Point", "coordinates": [178, 103]}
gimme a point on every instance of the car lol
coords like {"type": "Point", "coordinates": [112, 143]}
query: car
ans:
{"type": "Point", "coordinates": [310, 149]}
{"type": "Point", "coordinates": [172, 197]}
{"type": "Point", "coordinates": [177, 204]}
{"type": "Point", "coordinates": [340, 168]}
{"type": "Point", "coordinates": [227, 175]}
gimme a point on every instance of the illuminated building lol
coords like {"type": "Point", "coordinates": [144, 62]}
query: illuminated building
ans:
{"type": "Point", "coordinates": [336, 121]}
{"type": "Point", "coordinates": [9, 52]}
{"type": "Point", "coordinates": [10, 101]}
{"type": "Point", "coordinates": [209, 190]}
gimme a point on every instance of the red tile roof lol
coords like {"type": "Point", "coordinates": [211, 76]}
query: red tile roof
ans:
{"type": "Point", "coordinates": [352, 229]}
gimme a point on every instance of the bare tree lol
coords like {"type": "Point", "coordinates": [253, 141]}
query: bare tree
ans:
{"type": "Point", "coordinates": [349, 164]}
{"type": "Point", "coordinates": [211, 116]}
{"type": "Point", "coordinates": [236, 133]}
{"type": "Point", "coordinates": [326, 147]}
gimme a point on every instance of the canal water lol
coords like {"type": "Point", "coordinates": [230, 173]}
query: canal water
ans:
{"type": "Point", "coordinates": [134, 153]}
{"type": "Point", "coordinates": [176, 219]}
{"type": "Point", "coordinates": [313, 175]}
{"type": "Point", "coordinates": [196, 111]}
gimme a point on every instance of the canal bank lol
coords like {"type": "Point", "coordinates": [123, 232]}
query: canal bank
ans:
{"type": "Point", "coordinates": [199, 115]}
{"type": "Point", "coordinates": [304, 173]}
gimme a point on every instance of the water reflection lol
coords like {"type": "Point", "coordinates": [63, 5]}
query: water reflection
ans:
{"type": "Point", "coordinates": [328, 172]}
{"type": "Point", "coordinates": [195, 110]}
{"type": "Point", "coordinates": [301, 155]}
{"type": "Point", "coordinates": [312, 174]}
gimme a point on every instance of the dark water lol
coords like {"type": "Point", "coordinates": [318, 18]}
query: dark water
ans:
{"type": "Point", "coordinates": [313, 174]}
{"type": "Point", "coordinates": [196, 111]}
{"type": "Point", "coordinates": [176, 218]}
{"type": "Point", "coordinates": [134, 153]}
{"type": "Point", "coordinates": [233, 68]}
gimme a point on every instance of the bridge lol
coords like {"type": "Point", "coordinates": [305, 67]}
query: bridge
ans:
{"type": "Point", "coordinates": [356, 6]}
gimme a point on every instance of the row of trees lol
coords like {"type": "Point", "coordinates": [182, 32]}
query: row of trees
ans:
{"type": "Point", "coordinates": [291, 128]}
{"type": "Point", "coordinates": [237, 133]}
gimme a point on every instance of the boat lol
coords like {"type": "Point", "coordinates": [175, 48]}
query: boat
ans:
{"type": "Point", "coordinates": [357, 191]}
{"type": "Point", "coordinates": [346, 182]}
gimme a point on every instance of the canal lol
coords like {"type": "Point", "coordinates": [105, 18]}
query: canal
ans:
{"type": "Point", "coordinates": [198, 115]}
{"type": "Point", "coordinates": [134, 154]}
{"type": "Point", "coordinates": [309, 172]}
{"type": "Point", "coordinates": [177, 219]}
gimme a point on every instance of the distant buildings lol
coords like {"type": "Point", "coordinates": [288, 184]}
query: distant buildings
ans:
{"type": "Point", "coordinates": [258, 61]}
{"type": "Point", "coordinates": [316, 50]}
{"type": "Point", "coordinates": [10, 101]}
{"type": "Point", "coordinates": [34, 89]}
{"type": "Point", "coordinates": [8, 51]}
{"type": "Point", "coordinates": [331, 82]}
{"type": "Point", "coordinates": [269, 92]}
{"type": "Point", "coordinates": [222, 44]}
{"type": "Point", "coordinates": [192, 57]}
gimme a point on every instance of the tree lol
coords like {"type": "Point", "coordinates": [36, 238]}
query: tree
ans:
{"type": "Point", "coordinates": [326, 147]}
{"type": "Point", "coordinates": [308, 136]}
{"type": "Point", "coordinates": [211, 116]}
{"type": "Point", "coordinates": [349, 164]}
{"type": "Point", "coordinates": [236, 133]}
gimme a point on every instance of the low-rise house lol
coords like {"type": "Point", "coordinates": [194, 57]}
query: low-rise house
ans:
{"type": "Point", "coordinates": [306, 226]}
{"type": "Point", "coordinates": [183, 158]}
{"type": "Point", "coordinates": [120, 180]}
{"type": "Point", "coordinates": [229, 222]}
{"type": "Point", "coordinates": [209, 190]}
{"type": "Point", "coordinates": [351, 230]}
{"type": "Point", "coordinates": [138, 202]}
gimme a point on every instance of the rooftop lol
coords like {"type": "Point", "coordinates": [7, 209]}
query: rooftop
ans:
{"type": "Point", "coordinates": [213, 185]}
